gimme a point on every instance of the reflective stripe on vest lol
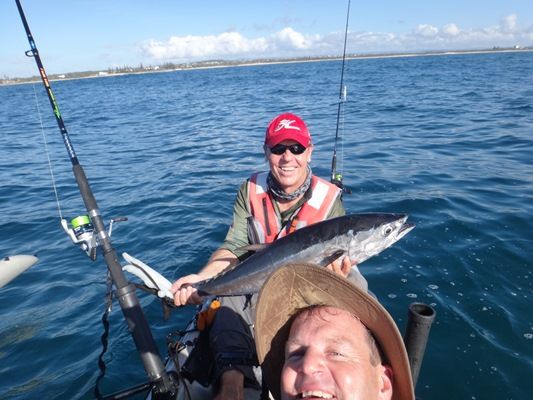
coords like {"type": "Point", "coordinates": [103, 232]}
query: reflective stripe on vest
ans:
{"type": "Point", "coordinates": [265, 221]}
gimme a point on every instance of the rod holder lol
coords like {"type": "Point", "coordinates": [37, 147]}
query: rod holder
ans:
{"type": "Point", "coordinates": [420, 317]}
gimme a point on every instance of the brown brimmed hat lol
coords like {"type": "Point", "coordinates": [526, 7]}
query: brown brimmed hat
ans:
{"type": "Point", "coordinates": [296, 286]}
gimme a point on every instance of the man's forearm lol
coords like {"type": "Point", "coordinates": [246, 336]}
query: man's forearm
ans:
{"type": "Point", "coordinates": [218, 262]}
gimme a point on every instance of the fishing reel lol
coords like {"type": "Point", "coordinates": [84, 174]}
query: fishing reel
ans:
{"type": "Point", "coordinates": [82, 233]}
{"type": "Point", "coordinates": [336, 179]}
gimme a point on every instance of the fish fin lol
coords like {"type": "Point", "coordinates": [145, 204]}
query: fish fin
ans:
{"type": "Point", "coordinates": [167, 308]}
{"type": "Point", "coordinates": [166, 302]}
{"type": "Point", "coordinates": [253, 247]}
{"type": "Point", "coordinates": [328, 259]}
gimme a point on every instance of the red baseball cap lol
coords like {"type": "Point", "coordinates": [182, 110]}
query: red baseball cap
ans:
{"type": "Point", "coordinates": [287, 126]}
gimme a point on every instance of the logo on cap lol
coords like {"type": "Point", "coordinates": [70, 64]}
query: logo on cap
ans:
{"type": "Point", "coordinates": [286, 124]}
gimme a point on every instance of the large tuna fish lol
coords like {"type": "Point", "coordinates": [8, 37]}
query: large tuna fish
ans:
{"type": "Point", "coordinates": [360, 236]}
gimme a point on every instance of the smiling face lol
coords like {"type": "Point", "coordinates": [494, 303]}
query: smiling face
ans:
{"type": "Point", "coordinates": [329, 355]}
{"type": "Point", "coordinates": [289, 170]}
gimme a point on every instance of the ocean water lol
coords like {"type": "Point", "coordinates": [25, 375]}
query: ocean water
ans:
{"type": "Point", "coordinates": [446, 139]}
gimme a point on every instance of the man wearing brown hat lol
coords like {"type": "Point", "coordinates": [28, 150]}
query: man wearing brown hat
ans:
{"type": "Point", "coordinates": [270, 205]}
{"type": "Point", "coordinates": [320, 336]}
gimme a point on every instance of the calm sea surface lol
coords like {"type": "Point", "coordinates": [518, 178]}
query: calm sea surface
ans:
{"type": "Point", "coordinates": [446, 139]}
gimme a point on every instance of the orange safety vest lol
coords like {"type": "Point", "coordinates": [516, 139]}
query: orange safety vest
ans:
{"type": "Point", "coordinates": [266, 223]}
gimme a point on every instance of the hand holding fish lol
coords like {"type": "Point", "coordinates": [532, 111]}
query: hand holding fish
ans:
{"type": "Point", "coordinates": [184, 293]}
{"type": "Point", "coordinates": [341, 266]}
{"type": "Point", "coordinates": [183, 290]}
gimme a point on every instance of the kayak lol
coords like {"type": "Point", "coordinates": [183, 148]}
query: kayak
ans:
{"type": "Point", "coordinates": [191, 389]}
{"type": "Point", "coordinates": [13, 266]}
{"type": "Point", "coordinates": [184, 341]}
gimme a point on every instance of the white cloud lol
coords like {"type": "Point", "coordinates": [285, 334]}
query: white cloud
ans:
{"type": "Point", "coordinates": [197, 47]}
{"type": "Point", "coordinates": [509, 23]}
{"type": "Point", "coordinates": [288, 38]}
{"type": "Point", "coordinates": [426, 30]}
{"type": "Point", "coordinates": [451, 30]}
{"type": "Point", "coordinates": [289, 42]}
{"type": "Point", "coordinates": [228, 44]}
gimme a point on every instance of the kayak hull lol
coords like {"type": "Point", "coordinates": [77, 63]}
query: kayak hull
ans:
{"type": "Point", "coordinates": [13, 266]}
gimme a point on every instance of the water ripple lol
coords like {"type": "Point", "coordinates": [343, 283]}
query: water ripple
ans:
{"type": "Point", "coordinates": [445, 139]}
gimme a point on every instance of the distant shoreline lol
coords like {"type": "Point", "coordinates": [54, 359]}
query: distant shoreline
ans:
{"type": "Point", "coordinates": [169, 67]}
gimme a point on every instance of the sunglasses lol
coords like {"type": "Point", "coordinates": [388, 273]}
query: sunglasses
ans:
{"type": "Point", "coordinates": [280, 149]}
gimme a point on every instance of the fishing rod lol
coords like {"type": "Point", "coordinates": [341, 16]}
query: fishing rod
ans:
{"type": "Point", "coordinates": [336, 177]}
{"type": "Point", "coordinates": [91, 234]}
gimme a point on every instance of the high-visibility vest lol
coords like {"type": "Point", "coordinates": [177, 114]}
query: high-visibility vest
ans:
{"type": "Point", "coordinates": [266, 225]}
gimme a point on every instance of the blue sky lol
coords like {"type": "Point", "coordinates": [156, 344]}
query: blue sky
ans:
{"type": "Point", "coordinates": [79, 35]}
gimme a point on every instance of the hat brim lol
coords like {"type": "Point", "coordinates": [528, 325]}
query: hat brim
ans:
{"type": "Point", "coordinates": [296, 286]}
{"type": "Point", "coordinates": [304, 140]}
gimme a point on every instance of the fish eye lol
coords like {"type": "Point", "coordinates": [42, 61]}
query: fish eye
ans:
{"type": "Point", "coordinates": [387, 231]}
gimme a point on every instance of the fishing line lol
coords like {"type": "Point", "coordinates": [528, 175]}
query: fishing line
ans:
{"type": "Point", "coordinates": [89, 232]}
{"type": "Point", "coordinates": [342, 119]}
{"type": "Point", "coordinates": [336, 177]}
{"type": "Point", "coordinates": [47, 153]}
{"type": "Point", "coordinates": [109, 282]}
{"type": "Point", "coordinates": [104, 338]}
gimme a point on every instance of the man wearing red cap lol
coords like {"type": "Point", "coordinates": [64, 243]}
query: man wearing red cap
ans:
{"type": "Point", "coordinates": [270, 205]}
